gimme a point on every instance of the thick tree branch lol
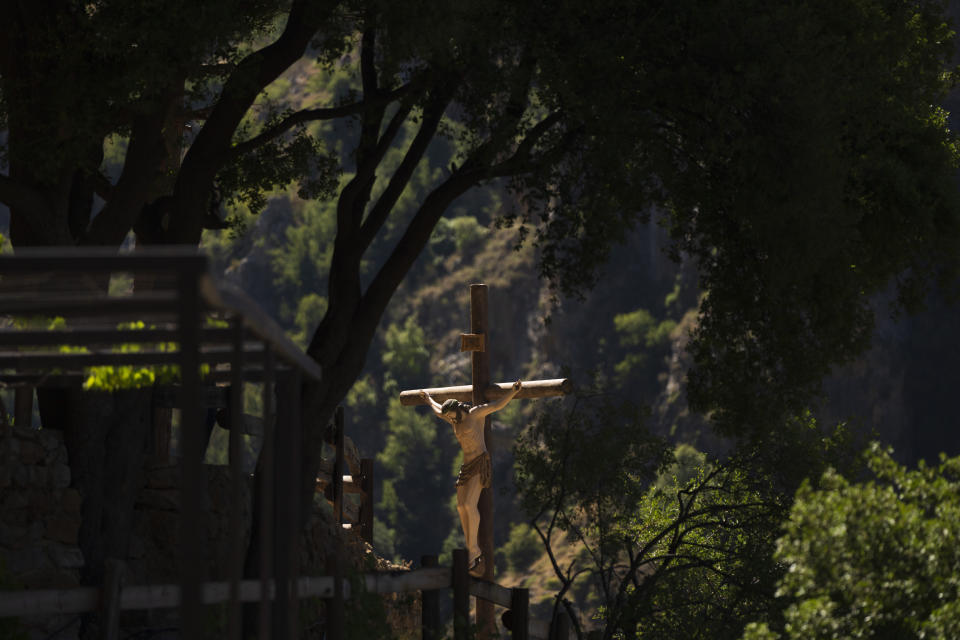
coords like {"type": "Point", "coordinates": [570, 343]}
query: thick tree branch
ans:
{"type": "Point", "coordinates": [102, 186]}
{"type": "Point", "coordinates": [310, 115]}
{"type": "Point", "coordinates": [401, 177]}
{"type": "Point", "coordinates": [17, 195]}
{"type": "Point", "coordinates": [212, 144]}
{"type": "Point", "coordinates": [354, 197]}
{"type": "Point", "coordinates": [373, 112]}
{"type": "Point", "coordinates": [536, 133]}
{"type": "Point", "coordinates": [336, 331]}
{"type": "Point", "coordinates": [521, 160]}
{"type": "Point", "coordinates": [145, 154]}
{"type": "Point", "coordinates": [512, 115]}
{"type": "Point", "coordinates": [412, 242]}
{"type": "Point", "coordinates": [196, 114]}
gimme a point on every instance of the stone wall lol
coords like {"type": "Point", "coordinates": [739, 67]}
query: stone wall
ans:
{"type": "Point", "coordinates": [39, 518]}
{"type": "Point", "coordinates": [153, 548]}
{"type": "Point", "coordinates": [40, 522]}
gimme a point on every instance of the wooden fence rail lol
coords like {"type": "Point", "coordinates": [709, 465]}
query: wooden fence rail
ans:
{"type": "Point", "coordinates": [343, 480]}
{"type": "Point", "coordinates": [430, 580]}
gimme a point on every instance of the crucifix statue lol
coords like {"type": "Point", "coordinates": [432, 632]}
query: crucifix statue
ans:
{"type": "Point", "coordinates": [484, 399]}
{"type": "Point", "coordinates": [475, 475]}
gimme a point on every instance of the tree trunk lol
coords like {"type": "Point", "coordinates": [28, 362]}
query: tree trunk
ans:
{"type": "Point", "coordinates": [106, 436]}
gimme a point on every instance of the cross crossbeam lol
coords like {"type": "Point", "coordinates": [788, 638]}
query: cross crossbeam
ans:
{"type": "Point", "coordinates": [464, 393]}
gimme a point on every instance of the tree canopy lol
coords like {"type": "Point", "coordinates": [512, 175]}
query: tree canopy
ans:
{"type": "Point", "coordinates": [794, 150]}
{"type": "Point", "coordinates": [873, 558]}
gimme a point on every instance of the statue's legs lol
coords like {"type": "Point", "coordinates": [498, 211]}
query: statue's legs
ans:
{"type": "Point", "coordinates": [468, 495]}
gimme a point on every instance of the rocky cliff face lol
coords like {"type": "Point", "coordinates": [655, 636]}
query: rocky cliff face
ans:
{"type": "Point", "coordinates": [903, 390]}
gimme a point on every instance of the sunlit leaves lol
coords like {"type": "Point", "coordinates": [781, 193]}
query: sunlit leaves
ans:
{"type": "Point", "coordinates": [874, 558]}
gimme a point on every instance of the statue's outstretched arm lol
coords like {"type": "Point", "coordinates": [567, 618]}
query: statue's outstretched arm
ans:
{"type": "Point", "coordinates": [488, 408]}
{"type": "Point", "coordinates": [437, 409]}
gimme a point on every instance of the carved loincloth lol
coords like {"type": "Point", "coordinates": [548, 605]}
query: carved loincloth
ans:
{"type": "Point", "coordinates": [478, 466]}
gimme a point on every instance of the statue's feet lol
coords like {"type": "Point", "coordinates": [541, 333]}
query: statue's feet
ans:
{"type": "Point", "coordinates": [476, 567]}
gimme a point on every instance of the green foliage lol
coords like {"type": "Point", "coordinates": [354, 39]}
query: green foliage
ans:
{"type": "Point", "coordinates": [581, 469]}
{"type": "Point", "coordinates": [522, 547]}
{"type": "Point", "coordinates": [114, 68]}
{"type": "Point", "coordinates": [706, 548]}
{"type": "Point", "coordinates": [405, 355]}
{"type": "Point", "coordinates": [415, 463]}
{"type": "Point", "coordinates": [587, 461]}
{"type": "Point", "coordinates": [363, 393]}
{"type": "Point", "coordinates": [749, 130]}
{"type": "Point", "coordinates": [646, 343]}
{"type": "Point", "coordinates": [277, 163]}
{"type": "Point", "coordinates": [310, 311]}
{"type": "Point", "coordinates": [467, 233]}
{"type": "Point", "coordinates": [688, 465]}
{"type": "Point", "coordinates": [302, 263]}
{"type": "Point", "coordinates": [367, 615]}
{"type": "Point", "coordinates": [40, 322]}
{"type": "Point", "coordinates": [875, 558]}
{"type": "Point", "coordinates": [114, 378]}
{"type": "Point", "coordinates": [671, 545]}
{"type": "Point", "coordinates": [640, 329]}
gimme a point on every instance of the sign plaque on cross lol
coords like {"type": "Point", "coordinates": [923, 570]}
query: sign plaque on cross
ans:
{"type": "Point", "coordinates": [481, 391]}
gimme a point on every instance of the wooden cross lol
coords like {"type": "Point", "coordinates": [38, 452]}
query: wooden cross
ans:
{"type": "Point", "coordinates": [479, 392]}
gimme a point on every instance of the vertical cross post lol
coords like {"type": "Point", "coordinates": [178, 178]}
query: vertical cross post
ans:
{"type": "Point", "coordinates": [430, 605]}
{"type": "Point", "coordinates": [481, 380]}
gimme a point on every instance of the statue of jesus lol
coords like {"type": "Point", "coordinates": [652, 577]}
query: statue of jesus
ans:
{"type": "Point", "coordinates": [467, 422]}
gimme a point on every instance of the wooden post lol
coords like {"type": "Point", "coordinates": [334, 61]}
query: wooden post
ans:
{"type": "Point", "coordinates": [481, 380]}
{"type": "Point", "coordinates": [366, 507]}
{"type": "Point", "coordinates": [193, 558]}
{"type": "Point", "coordinates": [285, 547]}
{"type": "Point", "coordinates": [161, 427]}
{"type": "Point", "coordinates": [23, 407]}
{"type": "Point", "coordinates": [295, 465]}
{"type": "Point", "coordinates": [113, 575]}
{"type": "Point", "coordinates": [337, 478]}
{"type": "Point", "coordinates": [335, 605]}
{"type": "Point", "coordinates": [430, 605]}
{"type": "Point", "coordinates": [461, 595]}
{"type": "Point", "coordinates": [267, 488]}
{"type": "Point", "coordinates": [234, 610]}
{"type": "Point", "coordinates": [520, 607]}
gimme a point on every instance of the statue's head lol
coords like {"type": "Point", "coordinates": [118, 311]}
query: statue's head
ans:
{"type": "Point", "coordinates": [456, 407]}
